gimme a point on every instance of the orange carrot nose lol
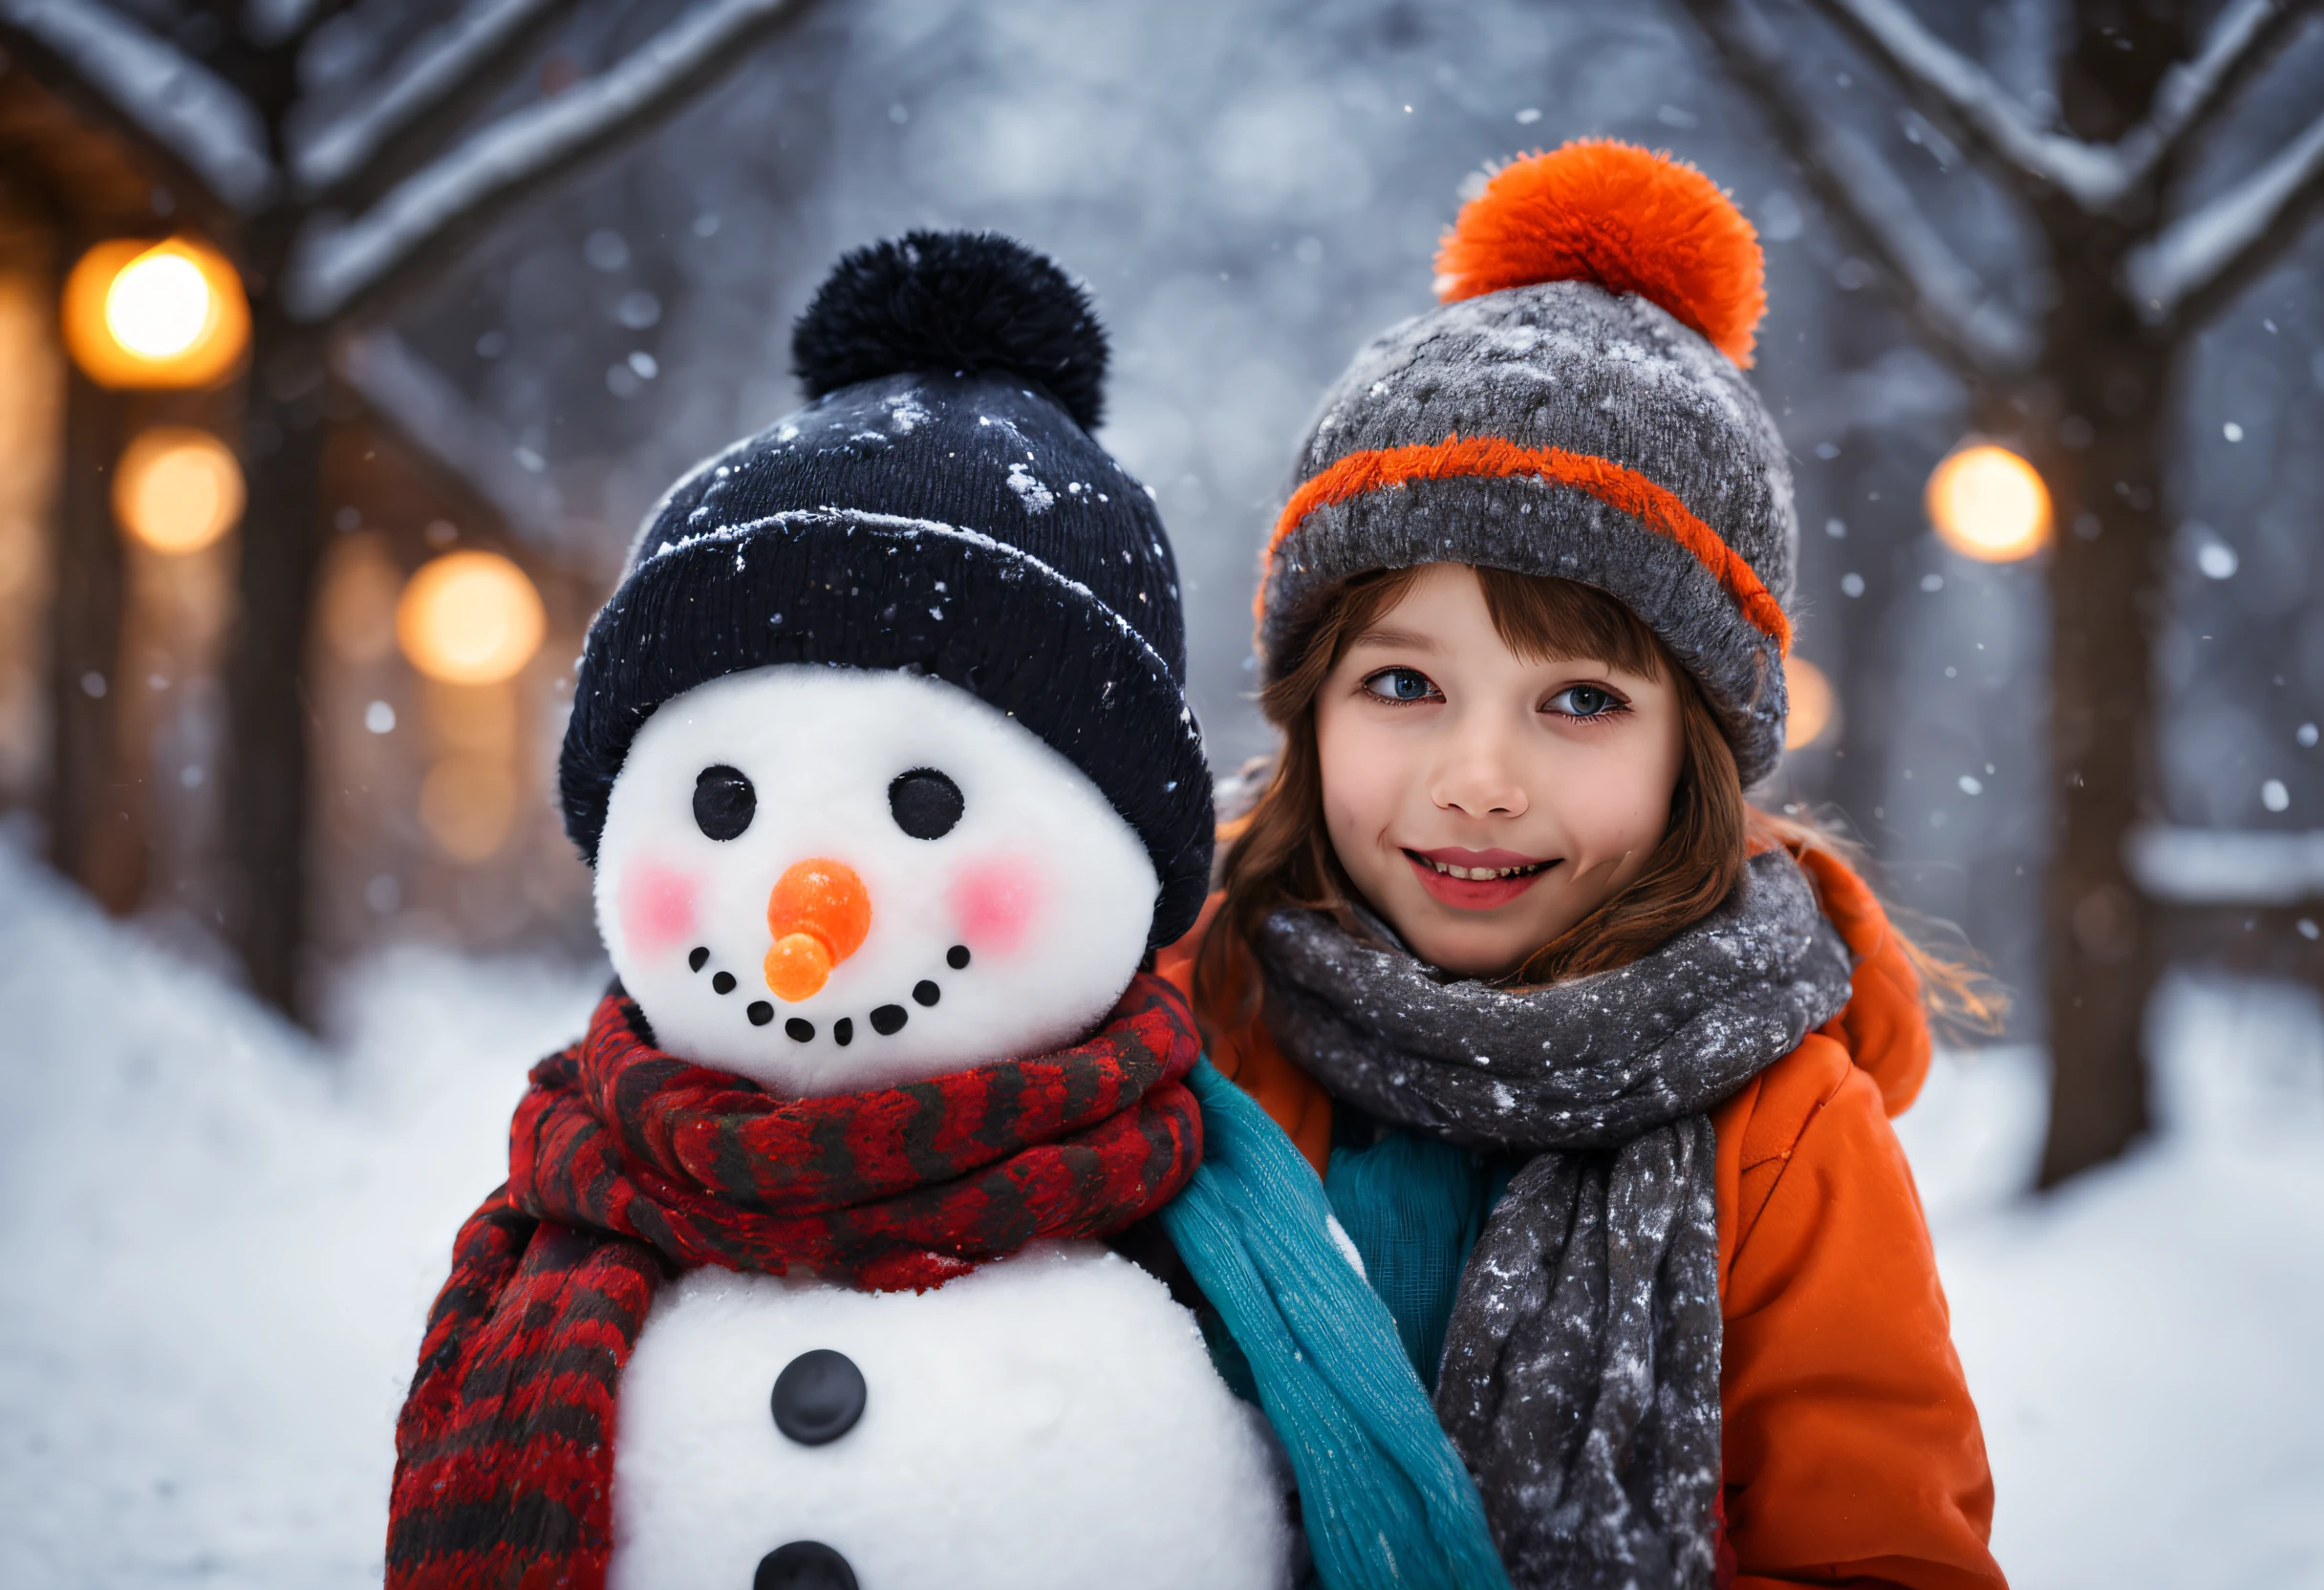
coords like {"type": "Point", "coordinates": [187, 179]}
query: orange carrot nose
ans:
{"type": "Point", "coordinates": [819, 914]}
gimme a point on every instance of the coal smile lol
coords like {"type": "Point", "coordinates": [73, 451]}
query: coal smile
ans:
{"type": "Point", "coordinates": [887, 1021]}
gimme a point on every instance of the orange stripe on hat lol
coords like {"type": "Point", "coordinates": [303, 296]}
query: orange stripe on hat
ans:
{"type": "Point", "coordinates": [1489, 457]}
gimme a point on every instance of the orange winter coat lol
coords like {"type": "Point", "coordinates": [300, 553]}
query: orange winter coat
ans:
{"type": "Point", "coordinates": [1852, 1451]}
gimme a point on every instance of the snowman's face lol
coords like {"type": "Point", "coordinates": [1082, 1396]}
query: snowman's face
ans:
{"type": "Point", "coordinates": [828, 879]}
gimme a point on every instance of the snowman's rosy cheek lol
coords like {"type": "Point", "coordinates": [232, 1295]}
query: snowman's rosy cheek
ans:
{"type": "Point", "coordinates": [995, 902]}
{"type": "Point", "coordinates": [657, 905]}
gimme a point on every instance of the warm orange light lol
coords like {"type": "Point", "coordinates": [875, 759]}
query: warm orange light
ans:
{"type": "Point", "coordinates": [1988, 504]}
{"type": "Point", "coordinates": [1814, 705]}
{"type": "Point", "coordinates": [469, 618]}
{"type": "Point", "coordinates": [177, 490]}
{"type": "Point", "coordinates": [155, 315]}
{"type": "Point", "coordinates": [159, 304]}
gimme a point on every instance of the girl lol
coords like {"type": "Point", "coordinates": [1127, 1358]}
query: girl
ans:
{"type": "Point", "coordinates": [1596, 1060]}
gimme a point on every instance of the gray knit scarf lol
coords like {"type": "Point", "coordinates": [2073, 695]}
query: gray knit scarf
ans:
{"type": "Point", "coordinates": [1581, 1373]}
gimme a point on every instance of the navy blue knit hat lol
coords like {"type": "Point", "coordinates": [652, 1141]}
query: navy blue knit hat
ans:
{"type": "Point", "coordinates": [940, 508]}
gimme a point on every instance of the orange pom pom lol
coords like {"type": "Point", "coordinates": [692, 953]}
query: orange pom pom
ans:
{"type": "Point", "coordinates": [1630, 220]}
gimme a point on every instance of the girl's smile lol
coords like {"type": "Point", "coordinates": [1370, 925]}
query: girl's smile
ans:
{"type": "Point", "coordinates": [1476, 880]}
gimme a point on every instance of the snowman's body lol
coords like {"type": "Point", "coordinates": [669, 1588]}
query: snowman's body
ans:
{"type": "Point", "coordinates": [1051, 1420]}
{"type": "Point", "coordinates": [830, 880]}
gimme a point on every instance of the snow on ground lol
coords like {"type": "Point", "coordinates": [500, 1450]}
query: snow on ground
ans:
{"type": "Point", "coordinates": [2143, 1346]}
{"type": "Point", "coordinates": [220, 1239]}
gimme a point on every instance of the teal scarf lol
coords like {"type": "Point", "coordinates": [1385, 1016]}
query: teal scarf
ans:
{"type": "Point", "coordinates": [1385, 1497]}
{"type": "Point", "coordinates": [1414, 1208]}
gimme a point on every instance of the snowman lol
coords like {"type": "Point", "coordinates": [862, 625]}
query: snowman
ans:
{"type": "Point", "coordinates": [828, 880]}
{"type": "Point", "coordinates": [800, 1279]}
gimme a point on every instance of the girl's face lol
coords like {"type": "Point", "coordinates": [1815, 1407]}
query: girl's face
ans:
{"type": "Point", "coordinates": [1485, 802]}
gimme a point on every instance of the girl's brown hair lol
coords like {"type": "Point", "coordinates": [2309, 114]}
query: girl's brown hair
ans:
{"type": "Point", "coordinates": [1278, 854]}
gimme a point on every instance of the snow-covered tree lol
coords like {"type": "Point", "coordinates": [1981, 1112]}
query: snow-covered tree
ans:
{"type": "Point", "coordinates": [2136, 250]}
{"type": "Point", "coordinates": [342, 152]}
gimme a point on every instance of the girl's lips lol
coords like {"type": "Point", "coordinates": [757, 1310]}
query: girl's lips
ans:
{"type": "Point", "coordinates": [1474, 893]}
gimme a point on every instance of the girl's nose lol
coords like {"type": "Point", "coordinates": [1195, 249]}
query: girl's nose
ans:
{"type": "Point", "coordinates": [1476, 778]}
{"type": "Point", "coordinates": [818, 913]}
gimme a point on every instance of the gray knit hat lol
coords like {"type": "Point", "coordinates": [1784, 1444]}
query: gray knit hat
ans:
{"type": "Point", "coordinates": [1576, 408]}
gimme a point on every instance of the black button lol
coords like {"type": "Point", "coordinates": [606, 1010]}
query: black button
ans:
{"type": "Point", "coordinates": [843, 1031]}
{"type": "Point", "coordinates": [926, 992]}
{"type": "Point", "coordinates": [701, 954]}
{"type": "Point", "coordinates": [818, 1397]}
{"type": "Point", "coordinates": [888, 1019]}
{"type": "Point", "coordinates": [724, 982]}
{"type": "Point", "coordinates": [801, 1029]}
{"type": "Point", "coordinates": [803, 1565]}
{"type": "Point", "coordinates": [759, 1013]}
{"type": "Point", "coordinates": [957, 957]}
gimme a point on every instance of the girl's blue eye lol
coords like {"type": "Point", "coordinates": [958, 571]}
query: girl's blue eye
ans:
{"type": "Point", "coordinates": [1400, 684]}
{"type": "Point", "coordinates": [1584, 700]}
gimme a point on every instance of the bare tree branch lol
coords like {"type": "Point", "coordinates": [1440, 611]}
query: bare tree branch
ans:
{"type": "Point", "coordinates": [2094, 176]}
{"type": "Point", "coordinates": [1941, 292]}
{"type": "Point", "coordinates": [337, 267]}
{"type": "Point", "coordinates": [1867, 200]}
{"type": "Point", "coordinates": [2192, 94]}
{"type": "Point", "coordinates": [182, 107]}
{"type": "Point", "coordinates": [416, 399]}
{"type": "Point", "coordinates": [2097, 177]}
{"type": "Point", "coordinates": [474, 45]}
{"type": "Point", "coordinates": [266, 23]}
{"type": "Point", "coordinates": [272, 24]}
{"type": "Point", "coordinates": [2179, 268]}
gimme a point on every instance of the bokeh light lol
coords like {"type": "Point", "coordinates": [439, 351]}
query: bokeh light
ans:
{"type": "Point", "coordinates": [469, 618]}
{"type": "Point", "coordinates": [159, 304]}
{"type": "Point", "coordinates": [155, 315]}
{"type": "Point", "coordinates": [1988, 504]}
{"type": "Point", "coordinates": [177, 490]}
{"type": "Point", "coordinates": [1814, 706]}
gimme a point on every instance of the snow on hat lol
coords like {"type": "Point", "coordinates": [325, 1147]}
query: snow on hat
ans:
{"type": "Point", "coordinates": [1574, 407]}
{"type": "Point", "coordinates": [940, 507]}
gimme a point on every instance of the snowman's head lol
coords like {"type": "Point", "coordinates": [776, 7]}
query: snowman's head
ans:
{"type": "Point", "coordinates": [828, 879]}
{"type": "Point", "coordinates": [881, 747]}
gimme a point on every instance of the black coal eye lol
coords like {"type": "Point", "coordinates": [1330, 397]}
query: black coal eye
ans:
{"type": "Point", "coordinates": [724, 802]}
{"type": "Point", "coordinates": [926, 803]}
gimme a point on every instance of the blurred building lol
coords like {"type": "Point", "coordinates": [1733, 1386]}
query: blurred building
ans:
{"type": "Point", "coordinates": [434, 794]}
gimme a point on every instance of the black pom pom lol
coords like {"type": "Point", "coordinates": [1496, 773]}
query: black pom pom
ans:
{"type": "Point", "coordinates": [943, 301]}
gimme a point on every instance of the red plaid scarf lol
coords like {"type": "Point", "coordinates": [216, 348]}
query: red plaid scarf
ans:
{"type": "Point", "coordinates": [626, 1165]}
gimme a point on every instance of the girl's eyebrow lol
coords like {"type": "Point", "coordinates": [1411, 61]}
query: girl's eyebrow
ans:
{"type": "Point", "coordinates": [1398, 639]}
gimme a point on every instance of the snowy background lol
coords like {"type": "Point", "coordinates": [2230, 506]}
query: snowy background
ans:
{"type": "Point", "coordinates": [1251, 188]}
{"type": "Point", "coordinates": [223, 1236]}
